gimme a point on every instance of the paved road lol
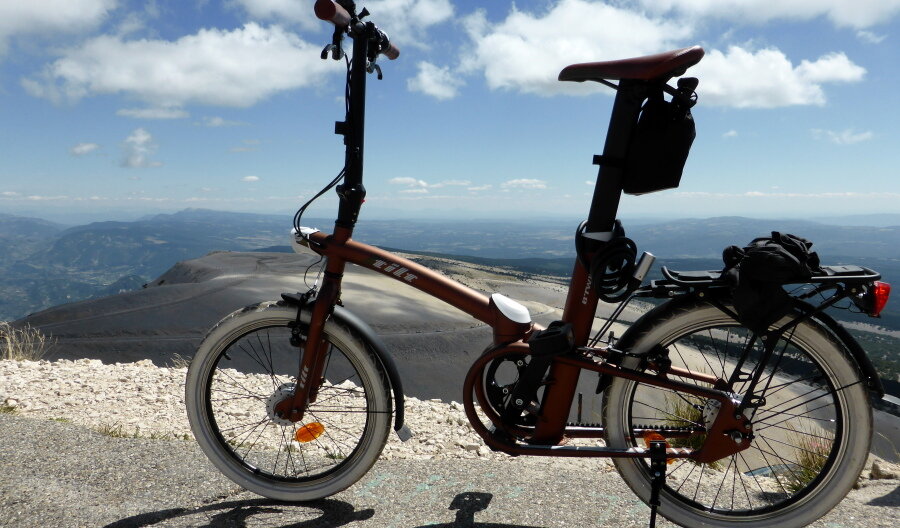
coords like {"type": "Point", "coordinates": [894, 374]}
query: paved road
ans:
{"type": "Point", "coordinates": [59, 474]}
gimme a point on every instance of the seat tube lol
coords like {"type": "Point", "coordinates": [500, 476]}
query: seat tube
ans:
{"type": "Point", "coordinates": [608, 190]}
{"type": "Point", "coordinates": [581, 302]}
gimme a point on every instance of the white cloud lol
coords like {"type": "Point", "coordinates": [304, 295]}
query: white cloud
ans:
{"type": "Point", "coordinates": [421, 186]}
{"type": "Point", "coordinates": [216, 121]}
{"type": "Point", "coordinates": [524, 183]}
{"type": "Point", "coordinates": [525, 52]}
{"type": "Point", "coordinates": [49, 17]}
{"type": "Point", "coordinates": [216, 67]}
{"type": "Point", "coordinates": [138, 147]}
{"type": "Point", "coordinates": [83, 148]}
{"type": "Point", "coordinates": [833, 67]}
{"type": "Point", "coordinates": [480, 188]}
{"type": "Point", "coordinates": [281, 11]}
{"type": "Point", "coordinates": [153, 113]}
{"type": "Point", "coordinates": [438, 82]}
{"type": "Point", "coordinates": [870, 37]}
{"type": "Point", "coordinates": [767, 79]}
{"type": "Point", "coordinates": [250, 179]}
{"type": "Point", "coordinates": [409, 182]}
{"type": "Point", "coordinates": [844, 137]}
{"type": "Point", "coordinates": [730, 134]}
{"type": "Point", "coordinates": [407, 21]}
{"type": "Point", "coordinates": [842, 13]}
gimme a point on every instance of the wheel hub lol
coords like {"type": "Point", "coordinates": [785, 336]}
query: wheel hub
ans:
{"type": "Point", "coordinates": [712, 407]}
{"type": "Point", "coordinates": [282, 393]}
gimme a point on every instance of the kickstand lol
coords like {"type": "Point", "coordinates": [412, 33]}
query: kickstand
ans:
{"type": "Point", "coordinates": [658, 471]}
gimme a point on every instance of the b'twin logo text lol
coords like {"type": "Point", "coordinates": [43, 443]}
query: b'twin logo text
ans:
{"type": "Point", "coordinates": [395, 270]}
{"type": "Point", "coordinates": [587, 290]}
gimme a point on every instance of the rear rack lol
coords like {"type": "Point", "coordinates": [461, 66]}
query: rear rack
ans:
{"type": "Point", "coordinates": [677, 281]}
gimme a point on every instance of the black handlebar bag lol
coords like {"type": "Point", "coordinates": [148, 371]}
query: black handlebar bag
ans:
{"type": "Point", "coordinates": [659, 146]}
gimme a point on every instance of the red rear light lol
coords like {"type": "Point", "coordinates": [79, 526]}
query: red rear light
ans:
{"type": "Point", "coordinates": [880, 293]}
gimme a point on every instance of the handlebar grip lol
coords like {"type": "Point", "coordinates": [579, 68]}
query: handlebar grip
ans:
{"type": "Point", "coordinates": [329, 11]}
{"type": "Point", "coordinates": [392, 52]}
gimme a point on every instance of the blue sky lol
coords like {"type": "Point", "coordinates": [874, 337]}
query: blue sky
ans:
{"type": "Point", "coordinates": [118, 108]}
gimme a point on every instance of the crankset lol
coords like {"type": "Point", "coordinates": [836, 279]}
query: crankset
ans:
{"type": "Point", "coordinates": [501, 381]}
{"type": "Point", "coordinates": [506, 384]}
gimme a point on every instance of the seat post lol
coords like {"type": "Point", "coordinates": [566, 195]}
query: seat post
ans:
{"type": "Point", "coordinates": [608, 190]}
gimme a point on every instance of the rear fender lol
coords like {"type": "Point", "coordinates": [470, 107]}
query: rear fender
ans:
{"type": "Point", "coordinates": [866, 369]}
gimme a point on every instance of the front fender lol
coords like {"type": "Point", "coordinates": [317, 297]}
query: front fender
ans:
{"type": "Point", "coordinates": [362, 330]}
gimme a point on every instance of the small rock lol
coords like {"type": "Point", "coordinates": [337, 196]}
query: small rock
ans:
{"type": "Point", "coordinates": [883, 470]}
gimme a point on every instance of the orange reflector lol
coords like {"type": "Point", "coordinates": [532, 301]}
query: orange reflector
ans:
{"type": "Point", "coordinates": [309, 432]}
{"type": "Point", "coordinates": [653, 436]}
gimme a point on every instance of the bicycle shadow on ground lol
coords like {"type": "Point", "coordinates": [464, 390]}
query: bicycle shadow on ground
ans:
{"type": "Point", "coordinates": [327, 513]}
{"type": "Point", "coordinates": [467, 504]}
{"type": "Point", "coordinates": [892, 499]}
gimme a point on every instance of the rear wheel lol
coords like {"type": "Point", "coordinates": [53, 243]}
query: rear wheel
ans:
{"type": "Point", "coordinates": [245, 366]}
{"type": "Point", "coordinates": [812, 434]}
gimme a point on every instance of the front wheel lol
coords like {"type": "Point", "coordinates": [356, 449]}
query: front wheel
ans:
{"type": "Point", "coordinates": [245, 366]}
{"type": "Point", "coordinates": [811, 435]}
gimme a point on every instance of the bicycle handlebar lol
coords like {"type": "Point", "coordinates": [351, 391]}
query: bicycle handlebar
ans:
{"type": "Point", "coordinates": [330, 11]}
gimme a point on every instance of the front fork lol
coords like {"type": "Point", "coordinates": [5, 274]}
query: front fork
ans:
{"type": "Point", "coordinates": [315, 349]}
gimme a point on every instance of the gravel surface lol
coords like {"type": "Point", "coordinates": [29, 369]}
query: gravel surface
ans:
{"type": "Point", "coordinates": [61, 473]}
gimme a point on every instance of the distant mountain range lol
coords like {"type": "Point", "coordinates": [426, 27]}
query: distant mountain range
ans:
{"type": "Point", "coordinates": [43, 263]}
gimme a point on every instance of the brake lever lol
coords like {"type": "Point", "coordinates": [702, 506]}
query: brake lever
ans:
{"type": "Point", "coordinates": [337, 51]}
{"type": "Point", "coordinates": [372, 67]}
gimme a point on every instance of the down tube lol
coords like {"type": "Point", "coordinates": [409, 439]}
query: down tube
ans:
{"type": "Point", "coordinates": [451, 292]}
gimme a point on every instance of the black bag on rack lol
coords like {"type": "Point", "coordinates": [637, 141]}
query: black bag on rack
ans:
{"type": "Point", "coordinates": [758, 271]}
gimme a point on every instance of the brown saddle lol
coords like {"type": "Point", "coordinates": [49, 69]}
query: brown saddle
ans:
{"type": "Point", "coordinates": [660, 66]}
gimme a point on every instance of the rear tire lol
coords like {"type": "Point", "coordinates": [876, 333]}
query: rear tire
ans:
{"type": "Point", "coordinates": [244, 365]}
{"type": "Point", "coordinates": [812, 435]}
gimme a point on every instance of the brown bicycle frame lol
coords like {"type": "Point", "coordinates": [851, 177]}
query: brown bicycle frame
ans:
{"type": "Point", "coordinates": [564, 371]}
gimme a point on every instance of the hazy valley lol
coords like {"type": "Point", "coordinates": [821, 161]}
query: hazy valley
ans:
{"type": "Point", "coordinates": [45, 264]}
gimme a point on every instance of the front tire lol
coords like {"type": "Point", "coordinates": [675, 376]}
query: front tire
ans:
{"type": "Point", "coordinates": [247, 363]}
{"type": "Point", "coordinates": [812, 435]}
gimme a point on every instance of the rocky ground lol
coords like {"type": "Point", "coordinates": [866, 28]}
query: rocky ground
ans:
{"type": "Point", "coordinates": [143, 401]}
{"type": "Point", "coordinates": [140, 400]}
{"type": "Point", "coordinates": [137, 402]}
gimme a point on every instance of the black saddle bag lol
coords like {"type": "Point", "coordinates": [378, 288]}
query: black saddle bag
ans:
{"type": "Point", "coordinates": [659, 146]}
